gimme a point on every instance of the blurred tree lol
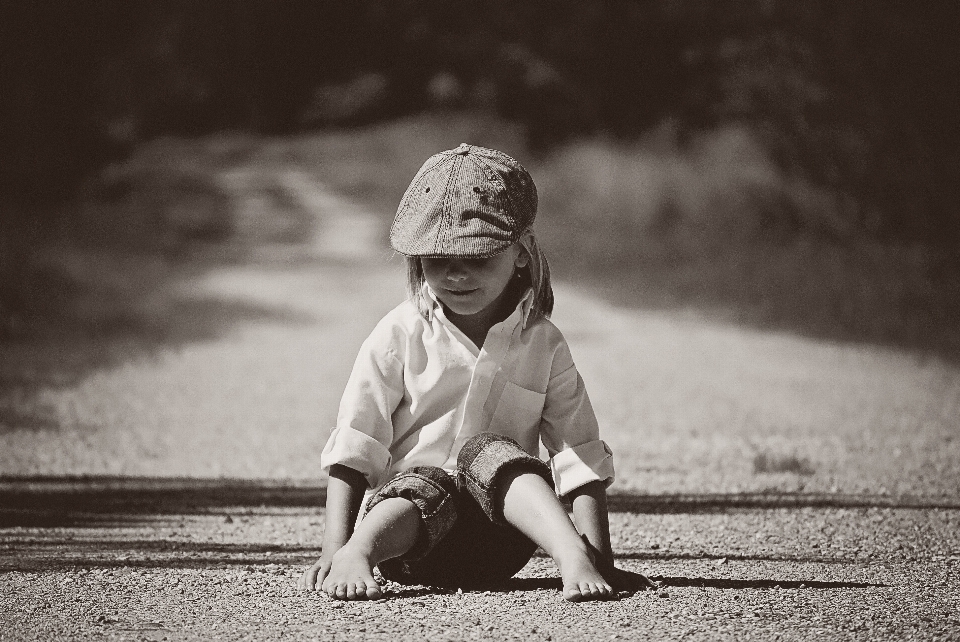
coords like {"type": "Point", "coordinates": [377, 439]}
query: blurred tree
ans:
{"type": "Point", "coordinates": [50, 54]}
{"type": "Point", "coordinates": [856, 95]}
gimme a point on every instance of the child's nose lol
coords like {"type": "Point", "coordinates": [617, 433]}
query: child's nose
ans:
{"type": "Point", "coordinates": [456, 271]}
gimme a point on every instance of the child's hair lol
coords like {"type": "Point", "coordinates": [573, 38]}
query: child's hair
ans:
{"type": "Point", "coordinates": [535, 275]}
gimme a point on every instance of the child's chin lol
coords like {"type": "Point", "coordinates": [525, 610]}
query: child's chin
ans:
{"type": "Point", "coordinates": [463, 307]}
{"type": "Point", "coordinates": [464, 310]}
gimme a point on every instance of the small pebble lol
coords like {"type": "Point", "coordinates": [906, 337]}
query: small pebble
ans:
{"type": "Point", "coordinates": [663, 594]}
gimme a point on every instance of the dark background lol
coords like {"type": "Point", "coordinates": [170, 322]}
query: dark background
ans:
{"type": "Point", "coordinates": [858, 98]}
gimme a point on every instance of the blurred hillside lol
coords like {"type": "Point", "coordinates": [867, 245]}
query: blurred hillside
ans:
{"type": "Point", "coordinates": [858, 96]}
{"type": "Point", "coordinates": [804, 124]}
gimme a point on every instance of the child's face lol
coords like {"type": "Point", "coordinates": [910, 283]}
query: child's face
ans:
{"type": "Point", "coordinates": [470, 286]}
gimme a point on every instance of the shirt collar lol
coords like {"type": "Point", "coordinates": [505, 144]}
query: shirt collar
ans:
{"type": "Point", "coordinates": [525, 306]}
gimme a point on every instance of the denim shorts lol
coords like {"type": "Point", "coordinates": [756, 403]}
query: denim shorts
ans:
{"type": "Point", "coordinates": [465, 540]}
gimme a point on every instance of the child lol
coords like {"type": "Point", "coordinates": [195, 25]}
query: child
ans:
{"type": "Point", "coordinates": [449, 398]}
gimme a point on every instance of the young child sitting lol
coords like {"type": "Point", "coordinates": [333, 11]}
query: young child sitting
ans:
{"type": "Point", "coordinates": [439, 428]}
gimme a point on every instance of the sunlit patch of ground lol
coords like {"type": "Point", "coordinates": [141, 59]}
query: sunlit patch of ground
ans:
{"type": "Point", "coordinates": [778, 482]}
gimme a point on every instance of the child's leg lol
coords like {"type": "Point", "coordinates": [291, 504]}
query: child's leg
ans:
{"type": "Point", "coordinates": [405, 519]}
{"type": "Point", "coordinates": [388, 530]}
{"type": "Point", "coordinates": [531, 505]}
{"type": "Point", "coordinates": [511, 486]}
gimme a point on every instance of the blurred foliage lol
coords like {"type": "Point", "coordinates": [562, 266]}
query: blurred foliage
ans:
{"type": "Point", "coordinates": [858, 96]}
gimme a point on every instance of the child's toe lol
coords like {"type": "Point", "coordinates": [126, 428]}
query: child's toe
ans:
{"type": "Point", "coordinates": [580, 592]}
{"type": "Point", "coordinates": [572, 594]}
{"type": "Point", "coordinates": [587, 591]}
{"type": "Point", "coordinates": [373, 592]}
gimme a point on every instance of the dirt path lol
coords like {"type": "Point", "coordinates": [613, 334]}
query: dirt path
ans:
{"type": "Point", "coordinates": [780, 487]}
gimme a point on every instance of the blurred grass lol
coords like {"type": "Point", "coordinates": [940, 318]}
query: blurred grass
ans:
{"type": "Point", "coordinates": [713, 225]}
{"type": "Point", "coordinates": [707, 224]}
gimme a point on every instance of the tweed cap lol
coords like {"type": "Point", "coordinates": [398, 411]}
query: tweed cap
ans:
{"type": "Point", "coordinates": [468, 202]}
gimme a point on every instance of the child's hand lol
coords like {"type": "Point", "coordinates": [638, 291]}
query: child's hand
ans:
{"type": "Point", "coordinates": [312, 578]}
{"type": "Point", "coordinates": [622, 580]}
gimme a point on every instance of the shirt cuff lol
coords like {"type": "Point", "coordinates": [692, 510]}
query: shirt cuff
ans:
{"type": "Point", "coordinates": [361, 452]}
{"type": "Point", "coordinates": [574, 467]}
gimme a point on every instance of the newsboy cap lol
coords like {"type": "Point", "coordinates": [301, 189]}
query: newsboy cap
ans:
{"type": "Point", "coordinates": [468, 202]}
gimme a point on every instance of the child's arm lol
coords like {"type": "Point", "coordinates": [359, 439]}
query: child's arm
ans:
{"type": "Point", "coordinates": [590, 514]}
{"type": "Point", "coordinates": [344, 496]}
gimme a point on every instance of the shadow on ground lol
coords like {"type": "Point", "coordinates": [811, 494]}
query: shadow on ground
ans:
{"type": "Point", "coordinates": [84, 327]}
{"type": "Point", "coordinates": [106, 278]}
{"type": "Point", "coordinates": [78, 501]}
{"type": "Point", "coordinates": [102, 501]}
{"type": "Point", "coordinates": [60, 523]}
{"type": "Point", "coordinates": [537, 583]}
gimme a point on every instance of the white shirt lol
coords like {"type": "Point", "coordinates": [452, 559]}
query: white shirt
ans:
{"type": "Point", "coordinates": [420, 388]}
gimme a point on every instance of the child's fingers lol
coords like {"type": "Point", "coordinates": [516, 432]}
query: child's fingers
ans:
{"type": "Point", "coordinates": [313, 576]}
{"type": "Point", "coordinates": [305, 581]}
{"type": "Point", "coordinates": [309, 578]}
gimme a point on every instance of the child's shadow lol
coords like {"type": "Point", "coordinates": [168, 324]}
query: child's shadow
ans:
{"type": "Point", "coordinates": [554, 584]}
{"type": "Point", "coordinates": [723, 583]}
{"type": "Point", "coordinates": [538, 583]}
{"type": "Point", "coordinates": [397, 591]}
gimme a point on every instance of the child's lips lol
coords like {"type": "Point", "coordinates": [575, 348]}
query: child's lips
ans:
{"type": "Point", "coordinates": [462, 292]}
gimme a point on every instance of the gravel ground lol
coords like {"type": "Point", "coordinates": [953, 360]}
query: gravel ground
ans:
{"type": "Point", "coordinates": [778, 487]}
{"type": "Point", "coordinates": [730, 573]}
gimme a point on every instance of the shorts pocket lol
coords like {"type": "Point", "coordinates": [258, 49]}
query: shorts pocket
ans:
{"type": "Point", "coordinates": [518, 414]}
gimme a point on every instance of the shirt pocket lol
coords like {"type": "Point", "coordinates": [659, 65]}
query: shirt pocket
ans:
{"type": "Point", "coordinates": [518, 414]}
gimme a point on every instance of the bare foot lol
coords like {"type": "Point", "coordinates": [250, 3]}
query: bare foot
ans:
{"type": "Point", "coordinates": [581, 579]}
{"type": "Point", "coordinates": [619, 579]}
{"type": "Point", "coordinates": [351, 577]}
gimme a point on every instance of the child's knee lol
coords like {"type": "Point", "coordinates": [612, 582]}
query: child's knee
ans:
{"type": "Point", "coordinates": [432, 491]}
{"type": "Point", "coordinates": [488, 460]}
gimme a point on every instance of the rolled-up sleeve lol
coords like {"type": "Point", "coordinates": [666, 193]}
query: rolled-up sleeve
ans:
{"type": "Point", "coordinates": [356, 450]}
{"type": "Point", "coordinates": [574, 467]}
{"type": "Point", "coordinates": [363, 435]}
{"type": "Point", "coordinates": [569, 430]}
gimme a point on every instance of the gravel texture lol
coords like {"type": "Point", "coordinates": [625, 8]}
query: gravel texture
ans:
{"type": "Point", "coordinates": [778, 487]}
{"type": "Point", "coordinates": [213, 572]}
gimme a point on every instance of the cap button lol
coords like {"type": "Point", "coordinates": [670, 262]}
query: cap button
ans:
{"type": "Point", "coordinates": [463, 149]}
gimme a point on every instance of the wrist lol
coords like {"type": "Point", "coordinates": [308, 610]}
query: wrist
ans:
{"type": "Point", "coordinates": [601, 559]}
{"type": "Point", "coordinates": [332, 545]}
